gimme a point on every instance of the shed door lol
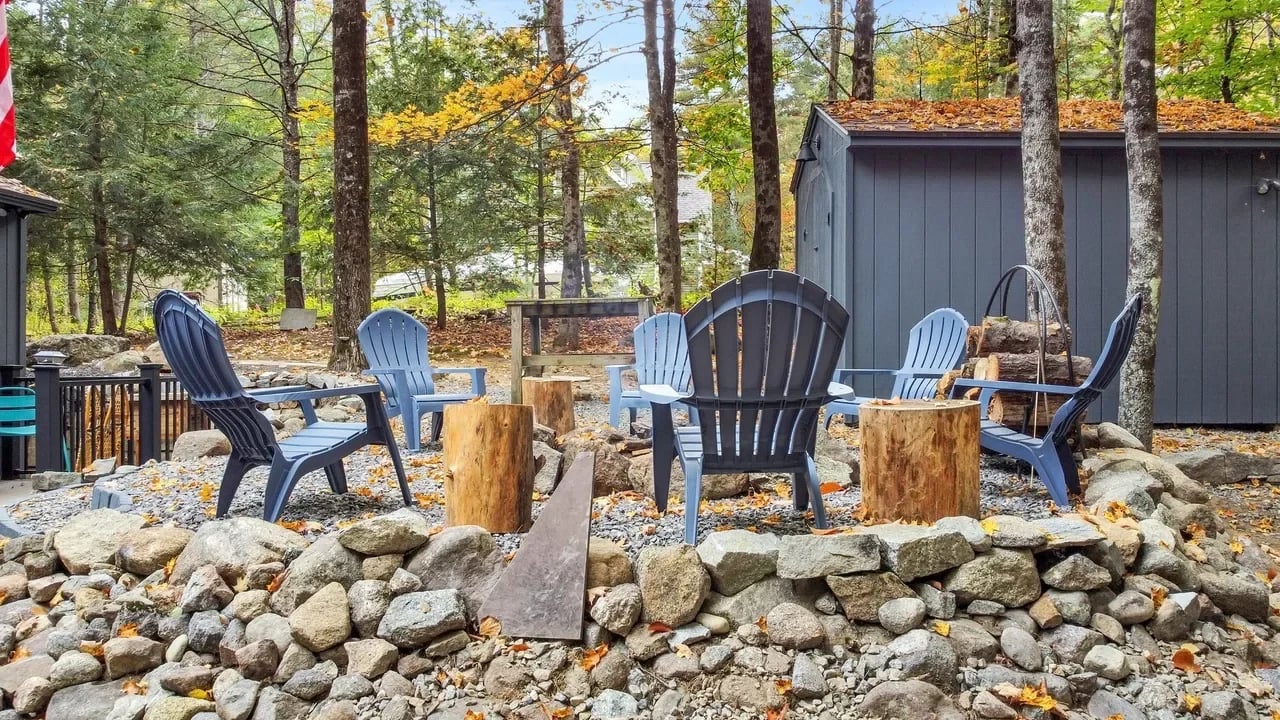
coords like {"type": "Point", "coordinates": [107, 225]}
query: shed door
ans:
{"type": "Point", "coordinates": [813, 228]}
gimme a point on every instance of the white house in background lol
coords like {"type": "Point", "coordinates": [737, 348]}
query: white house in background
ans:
{"type": "Point", "coordinates": [224, 293]}
{"type": "Point", "coordinates": [401, 285]}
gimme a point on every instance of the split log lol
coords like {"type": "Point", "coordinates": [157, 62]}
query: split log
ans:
{"type": "Point", "coordinates": [1019, 367]}
{"type": "Point", "coordinates": [1014, 409]}
{"type": "Point", "coordinates": [1002, 335]}
{"type": "Point", "coordinates": [920, 459]}
{"type": "Point", "coordinates": [552, 401]}
{"type": "Point", "coordinates": [488, 452]}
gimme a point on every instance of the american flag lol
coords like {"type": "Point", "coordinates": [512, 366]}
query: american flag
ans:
{"type": "Point", "coordinates": [8, 135]}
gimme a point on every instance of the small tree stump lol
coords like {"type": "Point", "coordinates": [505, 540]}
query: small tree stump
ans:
{"type": "Point", "coordinates": [488, 452]}
{"type": "Point", "coordinates": [920, 459]}
{"type": "Point", "coordinates": [552, 401]}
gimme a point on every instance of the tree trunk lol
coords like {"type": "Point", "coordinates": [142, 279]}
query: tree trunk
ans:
{"type": "Point", "coordinates": [49, 307]}
{"type": "Point", "coordinates": [766, 242]}
{"type": "Point", "coordinates": [130, 274]}
{"type": "Point", "coordinates": [864, 50]}
{"type": "Point", "coordinates": [1232, 30]}
{"type": "Point", "coordinates": [540, 233]}
{"type": "Point", "coordinates": [73, 283]}
{"type": "Point", "coordinates": [836, 24]}
{"type": "Point", "coordinates": [1041, 149]}
{"type": "Point", "coordinates": [350, 184]}
{"type": "Point", "coordinates": [294, 294]}
{"type": "Point", "coordinates": [571, 203]}
{"type": "Point", "coordinates": [488, 453]}
{"type": "Point", "coordinates": [1115, 44]}
{"type": "Point", "coordinates": [1009, 48]}
{"type": "Point", "coordinates": [660, 72]}
{"type": "Point", "coordinates": [101, 245]}
{"type": "Point", "coordinates": [91, 320]}
{"type": "Point", "coordinates": [1146, 212]}
{"type": "Point", "coordinates": [437, 246]}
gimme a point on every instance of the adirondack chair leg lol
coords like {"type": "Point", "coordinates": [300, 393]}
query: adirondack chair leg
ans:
{"type": "Point", "coordinates": [632, 413]}
{"type": "Point", "coordinates": [437, 424]}
{"type": "Point", "coordinates": [280, 483]}
{"type": "Point", "coordinates": [380, 426]}
{"type": "Point", "coordinates": [337, 476]}
{"type": "Point", "coordinates": [615, 412]}
{"type": "Point", "coordinates": [1071, 473]}
{"type": "Point", "coordinates": [1053, 474]}
{"type": "Point", "coordinates": [815, 493]}
{"type": "Point", "coordinates": [799, 492]}
{"type": "Point", "coordinates": [692, 495]}
{"type": "Point", "coordinates": [231, 476]}
{"type": "Point", "coordinates": [412, 428]}
{"type": "Point", "coordinates": [664, 451]}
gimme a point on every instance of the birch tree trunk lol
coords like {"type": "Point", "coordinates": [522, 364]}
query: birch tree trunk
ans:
{"type": "Point", "coordinates": [660, 70]}
{"type": "Point", "coordinates": [294, 293]}
{"type": "Point", "coordinates": [766, 242]}
{"type": "Point", "coordinates": [833, 60]}
{"type": "Point", "coordinates": [1146, 215]}
{"type": "Point", "coordinates": [351, 291]}
{"type": "Point", "coordinates": [864, 50]}
{"type": "Point", "coordinates": [570, 200]}
{"type": "Point", "coordinates": [1041, 148]}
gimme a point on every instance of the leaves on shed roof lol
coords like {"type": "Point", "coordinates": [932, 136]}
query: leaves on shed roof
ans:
{"type": "Point", "coordinates": [1004, 115]}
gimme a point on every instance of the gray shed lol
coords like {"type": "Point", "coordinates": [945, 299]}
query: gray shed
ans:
{"type": "Point", "coordinates": [904, 207]}
{"type": "Point", "coordinates": [17, 201]}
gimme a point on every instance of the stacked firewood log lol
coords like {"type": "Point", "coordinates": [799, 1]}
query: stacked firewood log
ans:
{"type": "Point", "coordinates": [1009, 350]}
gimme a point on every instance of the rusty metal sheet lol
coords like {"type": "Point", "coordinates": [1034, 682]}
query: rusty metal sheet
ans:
{"type": "Point", "coordinates": [542, 592]}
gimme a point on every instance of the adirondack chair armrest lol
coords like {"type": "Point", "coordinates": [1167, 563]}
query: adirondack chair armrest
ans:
{"type": "Point", "coordinates": [476, 373]}
{"type": "Point", "coordinates": [837, 390]}
{"type": "Point", "coordinates": [921, 372]}
{"type": "Point", "coordinates": [990, 387]}
{"type": "Point", "coordinates": [301, 393]}
{"type": "Point", "coordinates": [662, 394]}
{"type": "Point", "coordinates": [844, 374]}
{"type": "Point", "coordinates": [615, 378]}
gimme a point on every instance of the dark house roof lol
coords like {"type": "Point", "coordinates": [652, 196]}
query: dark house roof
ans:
{"type": "Point", "coordinates": [14, 194]}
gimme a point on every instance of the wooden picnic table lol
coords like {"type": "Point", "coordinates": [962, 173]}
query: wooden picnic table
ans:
{"type": "Point", "coordinates": [536, 310]}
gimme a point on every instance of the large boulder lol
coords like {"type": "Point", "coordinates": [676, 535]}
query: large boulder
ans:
{"type": "Point", "coordinates": [673, 584]}
{"type": "Point", "coordinates": [1111, 435]}
{"type": "Point", "coordinates": [147, 550]}
{"type": "Point", "coordinates": [1175, 481]}
{"type": "Point", "coordinates": [612, 468]}
{"type": "Point", "coordinates": [465, 558]}
{"type": "Point", "coordinates": [738, 558]}
{"type": "Point", "coordinates": [862, 595]}
{"type": "Point", "coordinates": [912, 551]}
{"type": "Point", "coordinates": [714, 487]}
{"type": "Point", "coordinates": [122, 362]}
{"type": "Point", "coordinates": [753, 602]}
{"type": "Point", "coordinates": [92, 701]}
{"type": "Point", "coordinates": [1215, 466]}
{"type": "Point", "coordinates": [80, 349]}
{"type": "Point", "coordinates": [93, 537]}
{"type": "Point", "coordinates": [814, 556]}
{"type": "Point", "coordinates": [913, 699]}
{"type": "Point", "coordinates": [325, 561]}
{"type": "Point", "coordinates": [414, 619]}
{"type": "Point", "coordinates": [235, 544]}
{"type": "Point", "coordinates": [196, 444]}
{"type": "Point", "coordinates": [607, 563]}
{"type": "Point", "coordinates": [392, 534]}
{"type": "Point", "coordinates": [1008, 577]}
{"type": "Point", "coordinates": [324, 620]}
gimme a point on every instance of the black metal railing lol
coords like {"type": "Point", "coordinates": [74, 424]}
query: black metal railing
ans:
{"type": "Point", "coordinates": [79, 419]}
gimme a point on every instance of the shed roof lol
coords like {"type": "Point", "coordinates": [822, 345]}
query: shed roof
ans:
{"type": "Point", "coordinates": [1003, 116]}
{"type": "Point", "coordinates": [16, 195]}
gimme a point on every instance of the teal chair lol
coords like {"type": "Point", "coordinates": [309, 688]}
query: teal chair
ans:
{"type": "Point", "coordinates": [18, 416]}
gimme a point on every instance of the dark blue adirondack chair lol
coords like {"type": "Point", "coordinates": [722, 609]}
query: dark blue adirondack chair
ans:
{"type": "Point", "coordinates": [934, 346]}
{"type": "Point", "coordinates": [662, 358]}
{"type": "Point", "coordinates": [395, 345]}
{"type": "Point", "coordinates": [762, 350]}
{"type": "Point", "coordinates": [192, 345]}
{"type": "Point", "coordinates": [1050, 456]}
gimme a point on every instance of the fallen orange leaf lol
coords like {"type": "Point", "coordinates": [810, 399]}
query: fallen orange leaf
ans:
{"type": "Point", "coordinates": [1185, 660]}
{"type": "Point", "coordinates": [592, 658]}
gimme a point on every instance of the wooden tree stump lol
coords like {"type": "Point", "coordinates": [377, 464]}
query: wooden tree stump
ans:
{"type": "Point", "coordinates": [488, 452]}
{"type": "Point", "coordinates": [920, 459]}
{"type": "Point", "coordinates": [552, 401]}
{"type": "Point", "coordinates": [1002, 335]}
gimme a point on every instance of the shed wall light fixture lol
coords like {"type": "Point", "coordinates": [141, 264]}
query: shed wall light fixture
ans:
{"type": "Point", "coordinates": [1266, 185]}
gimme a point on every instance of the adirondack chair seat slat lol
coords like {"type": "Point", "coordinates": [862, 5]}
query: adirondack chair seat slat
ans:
{"type": "Point", "coordinates": [396, 346]}
{"type": "Point", "coordinates": [934, 346]}
{"type": "Point", "coordinates": [662, 358]}
{"type": "Point", "coordinates": [1051, 456]}
{"type": "Point", "coordinates": [192, 344]}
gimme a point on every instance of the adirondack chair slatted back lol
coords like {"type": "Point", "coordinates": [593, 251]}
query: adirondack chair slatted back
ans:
{"type": "Point", "coordinates": [762, 350]}
{"type": "Point", "coordinates": [1110, 360]}
{"type": "Point", "coordinates": [935, 343]}
{"type": "Point", "coordinates": [393, 338]}
{"type": "Point", "coordinates": [662, 351]}
{"type": "Point", "coordinates": [17, 410]}
{"type": "Point", "coordinates": [192, 345]}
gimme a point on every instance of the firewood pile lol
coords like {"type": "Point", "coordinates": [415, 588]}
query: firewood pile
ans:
{"type": "Point", "coordinates": [1009, 350]}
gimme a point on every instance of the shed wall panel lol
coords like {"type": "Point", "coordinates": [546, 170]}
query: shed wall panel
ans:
{"type": "Point", "coordinates": [937, 226]}
{"type": "Point", "coordinates": [13, 291]}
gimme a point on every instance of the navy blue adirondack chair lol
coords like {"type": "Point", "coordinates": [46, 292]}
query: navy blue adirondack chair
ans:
{"type": "Point", "coordinates": [1051, 456]}
{"type": "Point", "coordinates": [662, 358]}
{"type": "Point", "coordinates": [762, 350]}
{"type": "Point", "coordinates": [934, 346]}
{"type": "Point", "coordinates": [192, 345]}
{"type": "Point", "coordinates": [395, 344]}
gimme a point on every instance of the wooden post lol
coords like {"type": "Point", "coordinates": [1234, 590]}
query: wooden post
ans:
{"type": "Point", "coordinates": [517, 349]}
{"type": "Point", "coordinates": [552, 401]}
{"type": "Point", "coordinates": [488, 452]}
{"type": "Point", "coordinates": [920, 459]}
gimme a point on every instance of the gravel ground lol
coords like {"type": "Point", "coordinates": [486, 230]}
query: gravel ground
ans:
{"type": "Point", "coordinates": [184, 494]}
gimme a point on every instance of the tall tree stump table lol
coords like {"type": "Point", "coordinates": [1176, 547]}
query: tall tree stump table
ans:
{"type": "Point", "coordinates": [920, 459]}
{"type": "Point", "coordinates": [552, 400]}
{"type": "Point", "coordinates": [488, 453]}
{"type": "Point", "coordinates": [535, 310]}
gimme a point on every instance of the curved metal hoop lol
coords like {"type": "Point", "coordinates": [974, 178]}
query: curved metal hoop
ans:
{"type": "Point", "coordinates": [1042, 298]}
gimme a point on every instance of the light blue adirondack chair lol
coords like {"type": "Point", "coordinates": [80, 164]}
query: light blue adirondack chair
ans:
{"type": "Point", "coordinates": [395, 345]}
{"type": "Point", "coordinates": [776, 338]}
{"type": "Point", "coordinates": [662, 358]}
{"type": "Point", "coordinates": [192, 345]}
{"type": "Point", "coordinates": [934, 346]}
{"type": "Point", "coordinates": [1051, 455]}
